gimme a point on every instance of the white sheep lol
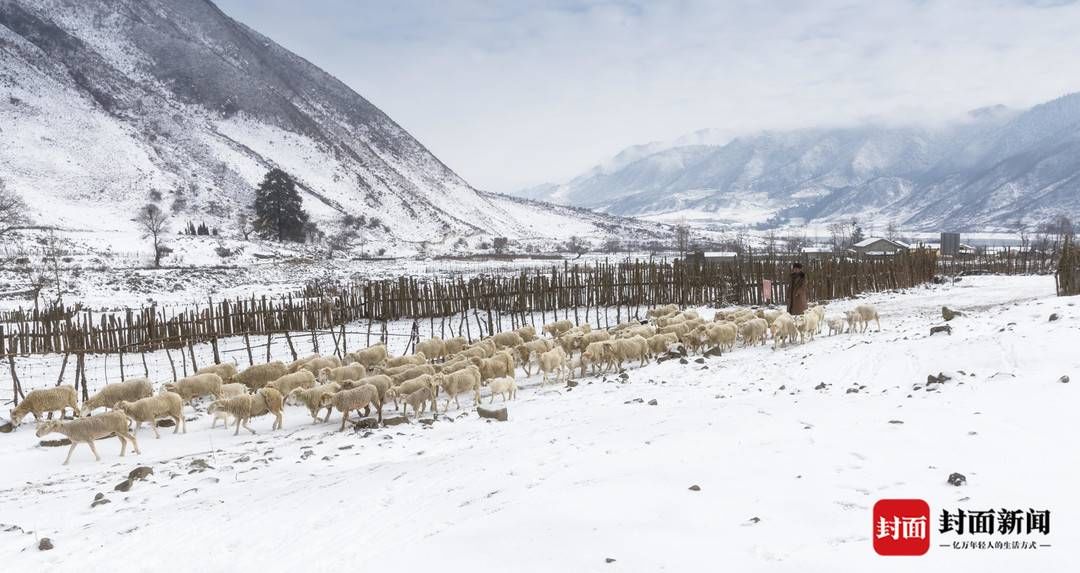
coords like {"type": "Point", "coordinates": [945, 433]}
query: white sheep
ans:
{"type": "Point", "coordinates": [381, 382]}
{"type": "Point", "coordinates": [312, 398]}
{"type": "Point", "coordinates": [455, 345]}
{"type": "Point", "coordinates": [808, 325]}
{"type": "Point", "coordinates": [721, 335]}
{"type": "Point", "coordinates": [862, 315]}
{"type": "Point", "coordinates": [433, 348]}
{"type": "Point", "coordinates": [487, 346]}
{"type": "Point", "coordinates": [476, 351]}
{"type": "Point", "coordinates": [645, 331]}
{"type": "Point", "coordinates": [660, 311]}
{"type": "Point", "coordinates": [624, 349]}
{"type": "Point", "coordinates": [594, 356]}
{"type": "Point", "coordinates": [681, 329]}
{"type": "Point", "coordinates": [243, 408]}
{"type": "Point", "coordinates": [454, 365]}
{"type": "Point", "coordinates": [353, 399]}
{"type": "Point", "coordinates": [196, 386]}
{"type": "Point", "coordinates": [90, 428]}
{"type": "Point", "coordinates": [300, 362]}
{"type": "Point", "coordinates": [836, 323]}
{"type": "Point", "coordinates": [557, 328]}
{"type": "Point", "coordinates": [660, 343]}
{"type": "Point", "coordinates": [503, 386]}
{"type": "Point", "coordinates": [553, 361]}
{"type": "Point", "coordinates": [464, 380]}
{"type": "Point", "coordinates": [46, 400]}
{"type": "Point", "coordinates": [507, 339]}
{"type": "Point", "coordinates": [754, 331]}
{"type": "Point", "coordinates": [419, 400]}
{"type": "Point", "coordinates": [299, 379]}
{"type": "Point", "coordinates": [527, 353]}
{"type": "Point", "coordinates": [354, 371]}
{"type": "Point", "coordinates": [369, 357]}
{"type": "Point", "coordinates": [233, 389]}
{"type": "Point", "coordinates": [408, 373]}
{"type": "Point", "coordinates": [409, 359]}
{"type": "Point", "coordinates": [784, 330]}
{"type": "Point", "coordinates": [501, 364]}
{"type": "Point", "coordinates": [590, 337]}
{"type": "Point", "coordinates": [316, 364]}
{"type": "Point", "coordinates": [527, 333]}
{"type": "Point", "coordinates": [227, 371]}
{"type": "Point", "coordinates": [131, 389]}
{"type": "Point", "coordinates": [149, 409]}
{"type": "Point", "coordinates": [258, 375]}
{"type": "Point", "coordinates": [230, 390]}
{"type": "Point", "coordinates": [409, 386]}
{"type": "Point", "coordinates": [769, 314]}
{"type": "Point", "coordinates": [819, 311]}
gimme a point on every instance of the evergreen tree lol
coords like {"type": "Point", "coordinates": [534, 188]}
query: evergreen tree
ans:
{"type": "Point", "coordinates": [279, 212]}
{"type": "Point", "coordinates": [856, 233]}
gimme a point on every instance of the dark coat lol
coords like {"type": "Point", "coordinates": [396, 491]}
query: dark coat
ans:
{"type": "Point", "coordinates": [798, 299]}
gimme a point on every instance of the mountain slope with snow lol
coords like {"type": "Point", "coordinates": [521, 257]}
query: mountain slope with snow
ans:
{"type": "Point", "coordinates": [986, 171]}
{"type": "Point", "coordinates": [108, 103]}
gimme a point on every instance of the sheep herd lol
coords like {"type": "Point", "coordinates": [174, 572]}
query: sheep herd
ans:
{"type": "Point", "coordinates": [446, 369]}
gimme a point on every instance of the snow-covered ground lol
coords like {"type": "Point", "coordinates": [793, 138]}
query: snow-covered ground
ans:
{"type": "Point", "coordinates": [788, 473]}
{"type": "Point", "coordinates": [118, 278]}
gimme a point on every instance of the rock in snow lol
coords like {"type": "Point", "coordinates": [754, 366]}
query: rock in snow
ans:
{"type": "Point", "coordinates": [499, 414]}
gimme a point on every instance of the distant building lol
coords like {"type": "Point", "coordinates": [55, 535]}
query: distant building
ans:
{"type": "Point", "coordinates": [950, 244]}
{"type": "Point", "coordinates": [709, 257]}
{"type": "Point", "coordinates": [879, 246]}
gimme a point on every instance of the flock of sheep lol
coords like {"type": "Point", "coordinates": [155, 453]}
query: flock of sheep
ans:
{"type": "Point", "coordinates": [368, 378]}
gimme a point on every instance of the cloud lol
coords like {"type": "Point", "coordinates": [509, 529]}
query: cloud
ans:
{"type": "Point", "coordinates": [515, 93]}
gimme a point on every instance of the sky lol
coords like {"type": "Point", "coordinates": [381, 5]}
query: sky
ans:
{"type": "Point", "coordinates": [511, 94]}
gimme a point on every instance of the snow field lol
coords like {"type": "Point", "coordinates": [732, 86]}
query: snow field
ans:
{"type": "Point", "coordinates": [787, 473]}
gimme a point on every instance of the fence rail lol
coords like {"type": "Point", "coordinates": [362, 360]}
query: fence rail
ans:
{"type": "Point", "coordinates": [629, 284]}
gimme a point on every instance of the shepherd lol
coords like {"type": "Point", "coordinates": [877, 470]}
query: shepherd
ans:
{"type": "Point", "coordinates": [797, 296]}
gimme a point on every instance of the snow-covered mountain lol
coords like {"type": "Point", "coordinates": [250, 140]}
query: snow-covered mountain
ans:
{"type": "Point", "coordinates": [984, 171]}
{"type": "Point", "coordinates": [109, 104]}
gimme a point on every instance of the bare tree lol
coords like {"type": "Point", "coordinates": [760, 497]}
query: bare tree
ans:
{"type": "Point", "coordinates": [682, 237]}
{"type": "Point", "coordinates": [13, 211]}
{"type": "Point", "coordinates": [892, 232]}
{"type": "Point", "coordinates": [577, 245]}
{"type": "Point", "coordinates": [245, 225]}
{"type": "Point", "coordinates": [612, 246]}
{"type": "Point", "coordinates": [771, 241]}
{"type": "Point", "coordinates": [154, 223]}
{"type": "Point", "coordinates": [840, 236]}
{"type": "Point", "coordinates": [1024, 233]}
{"type": "Point", "coordinates": [795, 243]}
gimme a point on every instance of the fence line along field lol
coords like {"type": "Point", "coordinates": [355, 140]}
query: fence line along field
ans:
{"type": "Point", "coordinates": [330, 316]}
{"type": "Point", "coordinates": [323, 307]}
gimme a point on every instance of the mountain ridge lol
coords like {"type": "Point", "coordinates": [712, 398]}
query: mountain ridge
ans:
{"type": "Point", "coordinates": [986, 171]}
{"type": "Point", "coordinates": [109, 104]}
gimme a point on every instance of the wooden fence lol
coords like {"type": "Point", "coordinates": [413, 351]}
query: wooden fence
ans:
{"type": "Point", "coordinates": [1001, 262]}
{"type": "Point", "coordinates": [1068, 271]}
{"type": "Point", "coordinates": [629, 284]}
